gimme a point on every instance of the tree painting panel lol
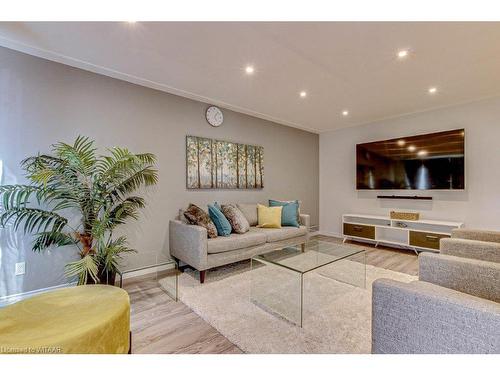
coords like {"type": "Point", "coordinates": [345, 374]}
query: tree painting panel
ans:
{"type": "Point", "coordinates": [214, 164]}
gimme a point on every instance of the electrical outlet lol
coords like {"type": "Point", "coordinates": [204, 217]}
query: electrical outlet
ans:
{"type": "Point", "coordinates": [20, 268]}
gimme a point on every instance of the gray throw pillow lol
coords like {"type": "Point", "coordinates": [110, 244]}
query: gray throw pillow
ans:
{"type": "Point", "coordinates": [249, 210]}
{"type": "Point", "coordinates": [236, 218]}
{"type": "Point", "coordinates": [197, 216]}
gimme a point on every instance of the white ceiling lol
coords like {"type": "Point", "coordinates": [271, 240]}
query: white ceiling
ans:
{"type": "Point", "coordinates": [350, 65]}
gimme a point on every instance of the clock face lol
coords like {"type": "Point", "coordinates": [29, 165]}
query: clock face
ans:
{"type": "Point", "coordinates": [214, 116]}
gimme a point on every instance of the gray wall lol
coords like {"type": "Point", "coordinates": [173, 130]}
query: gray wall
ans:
{"type": "Point", "coordinates": [478, 206]}
{"type": "Point", "coordinates": [42, 102]}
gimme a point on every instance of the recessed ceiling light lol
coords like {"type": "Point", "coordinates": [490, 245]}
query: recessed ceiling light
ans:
{"type": "Point", "coordinates": [411, 148]}
{"type": "Point", "coordinates": [401, 142]}
{"type": "Point", "coordinates": [303, 94]}
{"type": "Point", "coordinates": [402, 53]}
{"type": "Point", "coordinates": [249, 69]}
{"type": "Point", "coordinates": [432, 90]}
{"type": "Point", "coordinates": [422, 153]}
{"type": "Point", "coordinates": [345, 112]}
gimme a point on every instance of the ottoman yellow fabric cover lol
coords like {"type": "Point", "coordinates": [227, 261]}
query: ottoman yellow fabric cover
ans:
{"type": "Point", "coordinates": [80, 319]}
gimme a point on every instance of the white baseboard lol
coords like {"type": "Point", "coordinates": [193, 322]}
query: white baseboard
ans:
{"type": "Point", "coordinates": [8, 300]}
{"type": "Point", "coordinates": [146, 271]}
{"type": "Point", "coordinates": [329, 234]}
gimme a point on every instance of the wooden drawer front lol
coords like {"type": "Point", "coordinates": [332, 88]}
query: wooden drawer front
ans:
{"type": "Point", "coordinates": [426, 239]}
{"type": "Point", "coordinates": [357, 230]}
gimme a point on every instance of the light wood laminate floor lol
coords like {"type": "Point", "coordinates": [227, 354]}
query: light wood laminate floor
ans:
{"type": "Point", "coordinates": [160, 325]}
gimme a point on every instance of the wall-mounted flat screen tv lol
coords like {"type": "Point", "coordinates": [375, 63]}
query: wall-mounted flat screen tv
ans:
{"type": "Point", "coordinates": [421, 162]}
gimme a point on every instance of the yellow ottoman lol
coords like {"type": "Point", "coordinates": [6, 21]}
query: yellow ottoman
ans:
{"type": "Point", "coordinates": [80, 319]}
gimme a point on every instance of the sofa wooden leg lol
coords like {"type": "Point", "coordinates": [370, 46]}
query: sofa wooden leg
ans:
{"type": "Point", "coordinates": [202, 276]}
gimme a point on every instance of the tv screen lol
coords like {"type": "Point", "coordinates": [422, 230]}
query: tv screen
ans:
{"type": "Point", "coordinates": [421, 162]}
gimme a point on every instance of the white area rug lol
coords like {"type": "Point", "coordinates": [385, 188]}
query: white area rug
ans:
{"type": "Point", "coordinates": [337, 316]}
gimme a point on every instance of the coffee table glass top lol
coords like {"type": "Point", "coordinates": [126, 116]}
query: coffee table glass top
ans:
{"type": "Point", "coordinates": [309, 255]}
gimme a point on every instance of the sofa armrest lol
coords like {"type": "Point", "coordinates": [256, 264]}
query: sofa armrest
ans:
{"type": "Point", "coordinates": [482, 250]}
{"type": "Point", "coordinates": [420, 317]}
{"type": "Point", "coordinates": [476, 234]}
{"type": "Point", "coordinates": [476, 277]}
{"type": "Point", "coordinates": [305, 220]}
{"type": "Point", "coordinates": [188, 243]}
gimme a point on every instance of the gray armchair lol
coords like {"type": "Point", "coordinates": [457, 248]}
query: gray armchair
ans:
{"type": "Point", "coordinates": [453, 308]}
{"type": "Point", "coordinates": [474, 244]}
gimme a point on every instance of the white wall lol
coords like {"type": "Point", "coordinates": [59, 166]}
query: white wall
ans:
{"type": "Point", "coordinates": [477, 206]}
{"type": "Point", "coordinates": [43, 102]}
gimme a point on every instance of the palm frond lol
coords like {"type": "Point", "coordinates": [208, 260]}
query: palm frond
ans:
{"type": "Point", "coordinates": [44, 240]}
{"type": "Point", "coordinates": [80, 155]}
{"type": "Point", "coordinates": [100, 227]}
{"type": "Point", "coordinates": [110, 255]}
{"type": "Point", "coordinates": [83, 268]}
{"type": "Point", "coordinates": [35, 220]}
{"type": "Point", "coordinates": [128, 208]}
{"type": "Point", "coordinates": [120, 159]}
{"type": "Point", "coordinates": [123, 165]}
{"type": "Point", "coordinates": [146, 176]}
{"type": "Point", "coordinates": [41, 167]}
{"type": "Point", "coordinates": [18, 195]}
{"type": "Point", "coordinates": [147, 158]}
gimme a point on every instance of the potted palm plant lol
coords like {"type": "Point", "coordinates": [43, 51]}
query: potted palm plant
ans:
{"type": "Point", "coordinates": [75, 185]}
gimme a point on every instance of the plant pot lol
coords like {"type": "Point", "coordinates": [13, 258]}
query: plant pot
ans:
{"type": "Point", "coordinates": [107, 278]}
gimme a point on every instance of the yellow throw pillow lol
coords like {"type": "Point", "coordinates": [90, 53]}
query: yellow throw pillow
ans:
{"type": "Point", "coordinates": [269, 217]}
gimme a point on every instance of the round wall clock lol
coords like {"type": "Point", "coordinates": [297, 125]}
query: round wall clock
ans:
{"type": "Point", "coordinates": [214, 116]}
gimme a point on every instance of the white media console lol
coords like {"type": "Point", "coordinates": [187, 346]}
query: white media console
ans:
{"type": "Point", "coordinates": [417, 235]}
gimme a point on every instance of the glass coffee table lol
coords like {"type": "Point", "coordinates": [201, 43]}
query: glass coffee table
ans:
{"type": "Point", "coordinates": [277, 277]}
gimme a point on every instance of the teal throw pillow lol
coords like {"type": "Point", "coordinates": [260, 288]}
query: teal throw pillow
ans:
{"type": "Point", "coordinates": [221, 223]}
{"type": "Point", "coordinates": [289, 213]}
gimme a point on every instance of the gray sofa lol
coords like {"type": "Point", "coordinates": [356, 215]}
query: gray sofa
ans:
{"type": "Point", "coordinates": [453, 308]}
{"type": "Point", "coordinates": [189, 243]}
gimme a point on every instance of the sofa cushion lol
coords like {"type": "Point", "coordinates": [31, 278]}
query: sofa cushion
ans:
{"type": "Point", "coordinates": [238, 221]}
{"type": "Point", "coordinates": [235, 241]}
{"type": "Point", "coordinates": [249, 210]}
{"type": "Point", "coordinates": [284, 233]}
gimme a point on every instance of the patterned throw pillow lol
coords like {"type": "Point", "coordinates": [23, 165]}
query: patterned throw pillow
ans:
{"type": "Point", "coordinates": [238, 221]}
{"type": "Point", "coordinates": [197, 216]}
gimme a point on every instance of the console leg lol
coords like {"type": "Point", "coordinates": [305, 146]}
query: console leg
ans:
{"type": "Point", "coordinates": [202, 276]}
